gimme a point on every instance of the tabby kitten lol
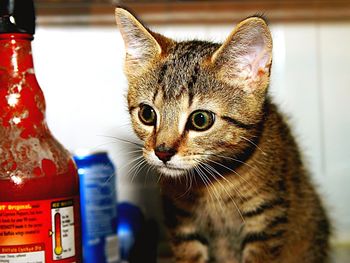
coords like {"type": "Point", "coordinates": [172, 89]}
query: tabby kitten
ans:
{"type": "Point", "coordinates": [234, 185]}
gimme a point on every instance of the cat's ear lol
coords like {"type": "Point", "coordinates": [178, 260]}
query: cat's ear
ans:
{"type": "Point", "coordinates": [142, 46]}
{"type": "Point", "coordinates": [246, 55]}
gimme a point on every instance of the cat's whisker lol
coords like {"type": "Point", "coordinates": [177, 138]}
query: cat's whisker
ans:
{"type": "Point", "coordinates": [128, 124]}
{"type": "Point", "coordinates": [135, 151]}
{"type": "Point", "coordinates": [202, 165]}
{"type": "Point", "coordinates": [147, 174]}
{"type": "Point", "coordinates": [211, 192]}
{"type": "Point", "coordinates": [188, 183]}
{"type": "Point", "coordinates": [122, 140]}
{"type": "Point", "coordinates": [96, 148]}
{"type": "Point", "coordinates": [139, 160]}
{"type": "Point", "coordinates": [139, 167]}
{"type": "Point", "coordinates": [159, 177]}
{"type": "Point", "coordinates": [124, 153]}
{"type": "Point", "coordinates": [199, 173]}
{"type": "Point", "coordinates": [150, 167]}
{"type": "Point", "coordinates": [226, 167]}
{"type": "Point", "coordinates": [253, 143]}
{"type": "Point", "coordinates": [240, 195]}
{"type": "Point", "coordinates": [131, 171]}
{"type": "Point", "coordinates": [226, 191]}
{"type": "Point", "coordinates": [231, 158]}
{"type": "Point", "coordinates": [131, 161]}
{"type": "Point", "coordinates": [249, 184]}
{"type": "Point", "coordinates": [153, 170]}
{"type": "Point", "coordinates": [191, 177]}
{"type": "Point", "coordinates": [211, 186]}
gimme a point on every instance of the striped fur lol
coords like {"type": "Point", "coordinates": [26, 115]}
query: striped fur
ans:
{"type": "Point", "coordinates": [238, 191]}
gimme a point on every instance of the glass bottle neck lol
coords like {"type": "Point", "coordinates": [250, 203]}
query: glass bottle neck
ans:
{"type": "Point", "coordinates": [22, 104]}
{"type": "Point", "coordinates": [16, 53]}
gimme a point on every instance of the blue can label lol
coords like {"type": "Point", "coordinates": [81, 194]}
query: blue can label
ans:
{"type": "Point", "coordinates": [98, 208]}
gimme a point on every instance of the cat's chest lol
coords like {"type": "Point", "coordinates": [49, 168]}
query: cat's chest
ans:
{"type": "Point", "coordinates": [210, 216]}
{"type": "Point", "coordinates": [215, 215]}
{"type": "Point", "coordinates": [221, 224]}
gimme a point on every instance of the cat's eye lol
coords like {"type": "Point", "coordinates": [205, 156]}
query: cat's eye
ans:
{"type": "Point", "coordinates": [200, 120]}
{"type": "Point", "coordinates": [147, 115]}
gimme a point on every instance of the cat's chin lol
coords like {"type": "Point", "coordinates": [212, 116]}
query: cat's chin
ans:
{"type": "Point", "coordinates": [171, 172]}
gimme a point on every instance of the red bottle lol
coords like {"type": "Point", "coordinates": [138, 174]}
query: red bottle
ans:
{"type": "Point", "coordinates": [39, 188]}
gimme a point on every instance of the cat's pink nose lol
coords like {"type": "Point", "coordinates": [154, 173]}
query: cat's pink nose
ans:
{"type": "Point", "coordinates": [164, 153]}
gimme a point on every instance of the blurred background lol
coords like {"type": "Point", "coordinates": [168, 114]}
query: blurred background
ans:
{"type": "Point", "coordinates": [79, 53]}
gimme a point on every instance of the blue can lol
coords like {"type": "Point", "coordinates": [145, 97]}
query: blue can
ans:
{"type": "Point", "coordinates": [98, 208]}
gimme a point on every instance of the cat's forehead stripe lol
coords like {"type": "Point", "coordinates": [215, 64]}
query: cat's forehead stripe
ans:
{"type": "Point", "coordinates": [179, 72]}
{"type": "Point", "coordinates": [155, 95]}
{"type": "Point", "coordinates": [191, 83]}
{"type": "Point", "coordinates": [162, 72]}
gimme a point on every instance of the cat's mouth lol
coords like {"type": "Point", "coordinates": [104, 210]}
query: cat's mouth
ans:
{"type": "Point", "coordinates": [173, 168]}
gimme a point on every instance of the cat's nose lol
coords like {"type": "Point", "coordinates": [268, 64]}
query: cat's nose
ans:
{"type": "Point", "coordinates": [164, 153]}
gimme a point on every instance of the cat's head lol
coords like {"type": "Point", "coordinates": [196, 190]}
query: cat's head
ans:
{"type": "Point", "coordinates": [195, 103]}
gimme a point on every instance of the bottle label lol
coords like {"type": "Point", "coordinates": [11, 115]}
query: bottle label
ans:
{"type": "Point", "coordinates": [43, 231]}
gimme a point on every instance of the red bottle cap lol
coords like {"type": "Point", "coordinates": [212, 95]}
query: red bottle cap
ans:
{"type": "Point", "coordinates": [17, 16]}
